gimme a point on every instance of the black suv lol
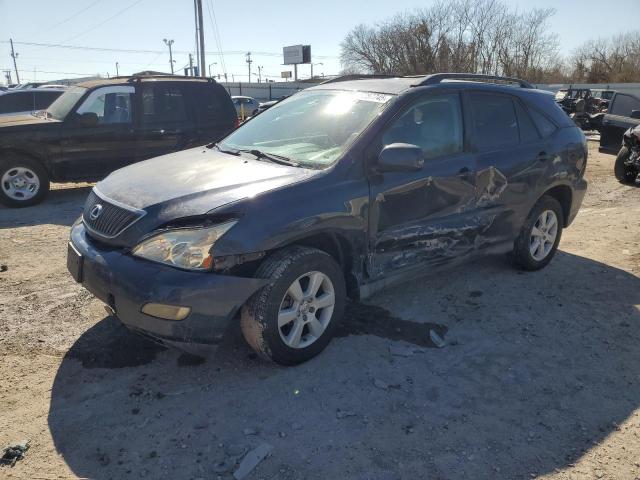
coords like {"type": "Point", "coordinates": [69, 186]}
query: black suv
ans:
{"type": "Point", "coordinates": [335, 192]}
{"type": "Point", "coordinates": [97, 127]}
{"type": "Point", "coordinates": [623, 114]}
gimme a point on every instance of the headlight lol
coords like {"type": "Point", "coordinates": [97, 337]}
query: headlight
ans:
{"type": "Point", "coordinates": [185, 248]}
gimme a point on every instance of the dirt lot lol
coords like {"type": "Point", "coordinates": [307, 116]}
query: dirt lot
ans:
{"type": "Point", "coordinates": [539, 377]}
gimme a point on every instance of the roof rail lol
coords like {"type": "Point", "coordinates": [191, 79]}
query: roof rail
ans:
{"type": "Point", "coordinates": [357, 76]}
{"type": "Point", "coordinates": [137, 77]}
{"type": "Point", "coordinates": [437, 78]}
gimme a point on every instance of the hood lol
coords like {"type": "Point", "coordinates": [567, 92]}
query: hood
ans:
{"type": "Point", "coordinates": [25, 121]}
{"type": "Point", "coordinates": [196, 181]}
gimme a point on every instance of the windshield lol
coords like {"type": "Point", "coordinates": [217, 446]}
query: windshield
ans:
{"type": "Point", "coordinates": [65, 102]}
{"type": "Point", "coordinates": [311, 128]}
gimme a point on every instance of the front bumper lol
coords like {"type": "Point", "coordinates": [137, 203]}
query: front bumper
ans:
{"type": "Point", "coordinates": [127, 283]}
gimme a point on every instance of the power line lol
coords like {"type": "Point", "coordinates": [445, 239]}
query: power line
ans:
{"type": "Point", "coordinates": [216, 35]}
{"type": "Point", "coordinates": [120, 12]}
{"type": "Point", "coordinates": [56, 25]}
{"type": "Point", "coordinates": [124, 50]}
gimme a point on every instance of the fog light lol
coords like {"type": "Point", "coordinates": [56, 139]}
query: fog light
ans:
{"type": "Point", "coordinates": [168, 312]}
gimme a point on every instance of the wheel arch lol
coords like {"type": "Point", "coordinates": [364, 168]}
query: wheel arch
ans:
{"type": "Point", "coordinates": [4, 152]}
{"type": "Point", "coordinates": [564, 196]}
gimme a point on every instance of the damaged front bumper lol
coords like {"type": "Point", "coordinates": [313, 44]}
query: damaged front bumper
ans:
{"type": "Point", "coordinates": [126, 284]}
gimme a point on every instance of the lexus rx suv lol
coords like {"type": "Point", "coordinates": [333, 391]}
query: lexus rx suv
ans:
{"type": "Point", "coordinates": [338, 191]}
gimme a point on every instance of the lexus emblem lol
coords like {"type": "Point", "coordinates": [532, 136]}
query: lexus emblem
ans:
{"type": "Point", "coordinates": [95, 211]}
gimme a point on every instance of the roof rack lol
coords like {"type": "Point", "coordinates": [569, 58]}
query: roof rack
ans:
{"type": "Point", "coordinates": [437, 78]}
{"type": "Point", "coordinates": [357, 76]}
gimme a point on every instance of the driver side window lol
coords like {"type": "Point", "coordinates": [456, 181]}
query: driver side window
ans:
{"type": "Point", "coordinates": [434, 124]}
{"type": "Point", "coordinates": [111, 105]}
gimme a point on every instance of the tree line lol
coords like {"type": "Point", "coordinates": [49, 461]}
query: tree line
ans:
{"type": "Point", "coordinates": [489, 37]}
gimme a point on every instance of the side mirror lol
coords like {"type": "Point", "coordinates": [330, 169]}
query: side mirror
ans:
{"type": "Point", "coordinates": [635, 113]}
{"type": "Point", "coordinates": [400, 157]}
{"type": "Point", "coordinates": [87, 119]}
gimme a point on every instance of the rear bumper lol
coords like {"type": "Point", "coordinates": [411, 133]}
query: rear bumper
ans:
{"type": "Point", "coordinates": [579, 191]}
{"type": "Point", "coordinates": [126, 284]}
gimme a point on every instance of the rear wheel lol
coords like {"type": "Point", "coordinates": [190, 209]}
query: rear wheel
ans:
{"type": "Point", "coordinates": [540, 235]}
{"type": "Point", "coordinates": [623, 172]}
{"type": "Point", "coordinates": [23, 182]}
{"type": "Point", "coordinates": [294, 317]}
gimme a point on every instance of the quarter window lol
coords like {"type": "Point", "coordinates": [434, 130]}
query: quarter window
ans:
{"type": "Point", "coordinates": [528, 132]}
{"type": "Point", "coordinates": [546, 126]}
{"type": "Point", "coordinates": [494, 120]}
{"type": "Point", "coordinates": [434, 124]}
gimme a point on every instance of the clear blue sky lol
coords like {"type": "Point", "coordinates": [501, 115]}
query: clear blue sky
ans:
{"type": "Point", "coordinates": [245, 25]}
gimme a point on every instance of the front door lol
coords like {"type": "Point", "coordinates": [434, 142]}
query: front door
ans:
{"type": "Point", "coordinates": [425, 217]}
{"type": "Point", "coordinates": [93, 151]}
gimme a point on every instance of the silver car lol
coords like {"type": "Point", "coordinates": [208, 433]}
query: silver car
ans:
{"type": "Point", "coordinates": [245, 106]}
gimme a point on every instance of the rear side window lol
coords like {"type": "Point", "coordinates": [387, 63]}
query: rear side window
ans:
{"type": "Point", "coordinates": [494, 121]}
{"type": "Point", "coordinates": [16, 102]}
{"type": "Point", "coordinates": [546, 126]}
{"type": "Point", "coordinates": [207, 103]}
{"type": "Point", "coordinates": [528, 131]}
{"type": "Point", "coordinates": [433, 123]}
{"type": "Point", "coordinates": [163, 103]}
{"type": "Point", "coordinates": [624, 104]}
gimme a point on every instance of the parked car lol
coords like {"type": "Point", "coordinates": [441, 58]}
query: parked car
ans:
{"type": "Point", "coordinates": [25, 102]}
{"type": "Point", "coordinates": [623, 114]}
{"type": "Point", "coordinates": [245, 106]}
{"type": "Point", "coordinates": [97, 127]}
{"type": "Point", "coordinates": [338, 191]}
{"type": "Point", "coordinates": [627, 166]}
{"type": "Point", "coordinates": [603, 97]}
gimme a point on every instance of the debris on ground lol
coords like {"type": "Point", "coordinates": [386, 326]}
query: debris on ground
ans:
{"type": "Point", "coordinates": [404, 350]}
{"type": "Point", "coordinates": [12, 453]}
{"type": "Point", "coordinates": [437, 340]}
{"type": "Point", "coordinates": [251, 460]}
{"type": "Point", "coordinates": [345, 413]}
{"type": "Point", "coordinates": [3, 268]}
{"type": "Point", "coordinates": [384, 385]}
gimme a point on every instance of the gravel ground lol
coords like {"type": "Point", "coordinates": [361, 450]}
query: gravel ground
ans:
{"type": "Point", "coordinates": [539, 376]}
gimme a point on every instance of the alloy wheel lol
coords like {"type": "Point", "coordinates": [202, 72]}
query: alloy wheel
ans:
{"type": "Point", "coordinates": [543, 235]}
{"type": "Point", "coordinates": [20, 183]}
{"type": "Point", "coordinates": [306, 309]}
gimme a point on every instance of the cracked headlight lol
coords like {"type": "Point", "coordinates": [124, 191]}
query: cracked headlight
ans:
{"type": "Point", "coordinates": [188, 248]}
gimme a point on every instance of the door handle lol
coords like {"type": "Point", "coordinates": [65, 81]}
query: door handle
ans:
{"type": "Point", "coordinates": [543, 157]}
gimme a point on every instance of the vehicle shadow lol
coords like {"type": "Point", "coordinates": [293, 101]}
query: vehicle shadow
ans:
{"type": "Point", "coordinates": [61, 207]}
{"type": "Point", "coordinates": [538, 368]}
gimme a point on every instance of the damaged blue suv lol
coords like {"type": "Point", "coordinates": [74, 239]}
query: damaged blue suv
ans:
{"type": "Point", "coordinates": [336, 192]}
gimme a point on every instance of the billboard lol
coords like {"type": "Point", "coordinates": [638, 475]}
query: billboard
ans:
{"type": "Point", "coordinates": [295, 54]}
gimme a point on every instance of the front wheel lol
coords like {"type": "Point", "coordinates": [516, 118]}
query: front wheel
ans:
{"type": "Point", "coordinates": [623, 172]}
{"type": "Point", "coordinates": [540, 235]}
{"type": "Point", "coordinates": [294, 317]}
{"type": "Point", "coordinates": [23, 182]}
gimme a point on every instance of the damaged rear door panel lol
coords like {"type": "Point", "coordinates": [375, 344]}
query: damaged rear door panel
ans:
{"type": "Point", "coordinates": [511, 160]}
{"type": "Point", "coordinates": [429, 216]}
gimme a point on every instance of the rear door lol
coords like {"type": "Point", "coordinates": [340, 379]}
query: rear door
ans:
{"type": "Point", "coordinates": [215, 114]}
{"type": "Point", "coordinates": [91, 152]}
{"type": "Point", "coordinates": [167, 122]}
{"type": "Point", "coordinates": [424, 217]}
{"type": "Point", "coordinates": [512, 158]}
{"type": "Point", "coordinates": [617, 121]}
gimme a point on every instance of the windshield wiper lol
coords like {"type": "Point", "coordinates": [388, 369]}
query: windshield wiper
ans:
{"type": "Point", "coordinates": [272, 157]}
{"type": "Point", "coordinates": [220, 149]}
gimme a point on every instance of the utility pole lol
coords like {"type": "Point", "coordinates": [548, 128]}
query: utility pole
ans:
{"type": "Point", "coordinates": [249, 62]}
{"type": "Point", "coordinates": [191, 64]}
{"type": "Point", "coordinates": [117, 71]}
{"type": "Point", "coordinates": [7, 76]}
{"type": "Point", "coordinates": [168, 43]}
{"type": "Point", "coordinates": [203, 72]}
{"type": "Point", "coordinates": [197, 30]}
{"type": "Point", "coordinates": [260, 74]}
{"type": "Point", "coordinates": [14, 55]}
{"type": "Point", "coordinates": [214, 63]}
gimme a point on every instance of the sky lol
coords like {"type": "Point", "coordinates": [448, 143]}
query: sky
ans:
{"type": "Point", "coordinates": [261, 27]}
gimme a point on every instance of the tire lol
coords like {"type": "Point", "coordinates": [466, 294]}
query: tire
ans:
{"type": "Point", "coordinates": [28, 172]}
{"type": "Point", "coordinates": [259, 318]}
{"type": "Point", "coordinates": [522, 256]}
{"type": "Point", "coordinates": [623, 173]}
